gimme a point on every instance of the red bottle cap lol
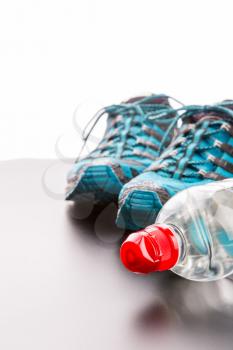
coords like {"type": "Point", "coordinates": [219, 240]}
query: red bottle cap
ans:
{"type": "Point", "coordinates": [153, 249]}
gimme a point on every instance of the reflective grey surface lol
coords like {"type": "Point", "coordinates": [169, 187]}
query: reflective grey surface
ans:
{"type": "Point", "coordinates": [63, 287]}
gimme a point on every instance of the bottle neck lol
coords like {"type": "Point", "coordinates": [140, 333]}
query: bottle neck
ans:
{"type": "Point", "coordinates": [181, 242]}
{"type": "Point", "coordinates": [156, 248]}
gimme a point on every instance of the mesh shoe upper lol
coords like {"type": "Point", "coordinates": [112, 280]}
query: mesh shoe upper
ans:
{"type": "Point", "coordinates": [202, 148]}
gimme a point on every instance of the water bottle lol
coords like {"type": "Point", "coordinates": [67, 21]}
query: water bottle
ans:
{"type": "Point", "coordinates": [192, 235]}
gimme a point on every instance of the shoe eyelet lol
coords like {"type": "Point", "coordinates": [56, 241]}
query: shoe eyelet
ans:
{"type": "Point", "coordinates": [217, 143]}
{"type": "Point", "coordinates": [226, 126]}
{"type": "Point", "coordinates": [211, 158]}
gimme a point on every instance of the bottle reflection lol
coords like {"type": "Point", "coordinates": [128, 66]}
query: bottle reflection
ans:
{"type": "Point", "coordinates": [193, 305]}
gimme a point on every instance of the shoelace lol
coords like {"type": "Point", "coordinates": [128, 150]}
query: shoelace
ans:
{"type": "Point", "coordinates": [141, 108]}
{"type": "Point", "coordinates": [185, 138]}
{"type": "Point", "coordinates": [189, 111]}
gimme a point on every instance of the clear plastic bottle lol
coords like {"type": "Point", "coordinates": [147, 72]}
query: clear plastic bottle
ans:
{"type": "Point", "coordinates": [192, 236]}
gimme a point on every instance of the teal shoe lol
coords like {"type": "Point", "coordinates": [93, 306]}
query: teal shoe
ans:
{"type": "Point", "coordinates": [202, 151]}
{"type": "Point", "coordinates": [130, 144]}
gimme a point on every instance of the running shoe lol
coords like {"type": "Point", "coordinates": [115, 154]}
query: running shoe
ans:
{"type": "Point", "coordinates": [201, 151]}
{"type": "Point", "coordinates": [130, 144]}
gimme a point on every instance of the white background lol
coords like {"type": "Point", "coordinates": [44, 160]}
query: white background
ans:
{"type": "Point", "coordinates": [56, 54]}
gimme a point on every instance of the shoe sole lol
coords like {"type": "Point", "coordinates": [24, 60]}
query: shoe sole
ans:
{"type": "Point", "coordinates": [98, 182]}
{"type": "Point", "coordinates": [139, 209]}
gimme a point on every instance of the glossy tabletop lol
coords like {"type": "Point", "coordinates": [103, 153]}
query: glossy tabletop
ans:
{"type": "Point", "coordinates": [63, 287]}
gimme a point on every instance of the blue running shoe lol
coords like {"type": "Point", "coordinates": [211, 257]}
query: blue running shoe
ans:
{"type": "Point", "coordinates": [130, 144]}
{"type": "Point", "coordinates": [201, 151]}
